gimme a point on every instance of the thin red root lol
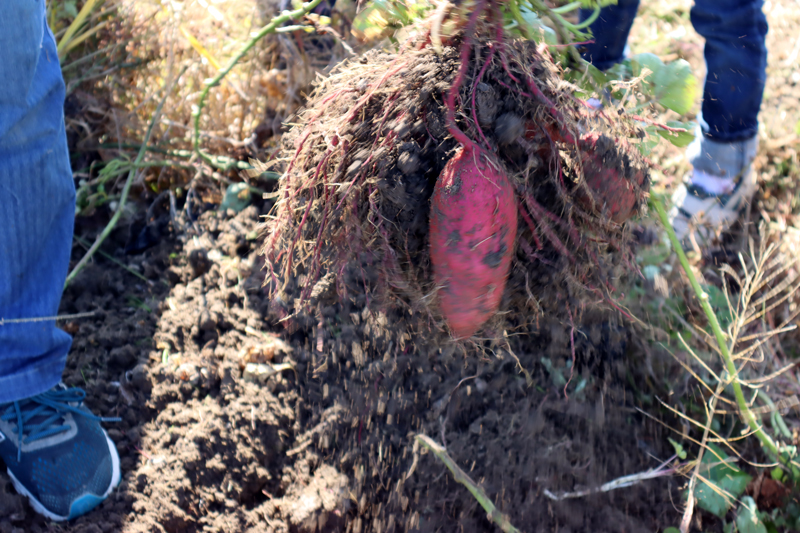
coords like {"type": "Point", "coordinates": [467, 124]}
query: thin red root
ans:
{"type": "Point", "coordinates": [531, 203]}
{"type": "Point", "coordinates": [611, 302]}
{"type": "Point", "coordinates": [364, 99]}
{"type": "Point", "coordinates": [526, 217]}
{"type": "Point", "coordinates": [315, 266]}
{"type": "Point", "coordinates": [450, 103]}
{"type": "Point", "coordinates": [287, 271]}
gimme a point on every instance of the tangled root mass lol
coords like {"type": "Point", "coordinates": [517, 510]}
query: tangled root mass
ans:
{"type": "Point", "coordinates": [351, 222]}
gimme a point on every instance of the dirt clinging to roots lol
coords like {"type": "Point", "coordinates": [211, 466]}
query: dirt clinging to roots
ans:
{"type": "Point", "coordinates": [352, 216]}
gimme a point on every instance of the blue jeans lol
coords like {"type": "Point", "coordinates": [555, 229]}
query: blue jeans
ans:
{"type": "Point", "coordinates": [736, 61]}
{"type": "Point", "coordinates": [37, 202]}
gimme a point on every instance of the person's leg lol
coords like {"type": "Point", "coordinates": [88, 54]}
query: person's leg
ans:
{"type": "Point", "coordinates": [37, 203]}
{"type": "Point", "coordinates": [610, 33]}
{"type": "Point", "coordinates": [54, 449]}
{"type": "Point", "coordinates": [736, 61]}
{"type": "Point", "coordinates": [722, 182]}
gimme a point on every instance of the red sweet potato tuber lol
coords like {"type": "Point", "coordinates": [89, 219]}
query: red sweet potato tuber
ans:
{"type": "Point", "coordinates": [473, 225]}
{"type": "Point", "coordinates": [612, 178]}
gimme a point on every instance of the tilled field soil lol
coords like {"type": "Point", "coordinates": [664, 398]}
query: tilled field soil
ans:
{"type": "Point", "coordinates": [319, 437]}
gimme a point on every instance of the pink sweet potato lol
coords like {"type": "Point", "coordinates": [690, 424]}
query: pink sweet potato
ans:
{"type": "Point", "coordinates": [473, 224]}
{"type": "Point", "coordinates": [612, 173]}
{"type": "Point", "coordinates": [612, 176]}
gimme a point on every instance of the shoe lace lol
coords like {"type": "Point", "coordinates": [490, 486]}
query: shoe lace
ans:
{"type": "Point", "coordinates": [43, 415]}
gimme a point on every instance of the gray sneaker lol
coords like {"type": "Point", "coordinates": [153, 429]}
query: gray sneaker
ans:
{"type": "Point", "coordinates": [57, 454]}
{"type": "Point", "coordinates": [699, 215]}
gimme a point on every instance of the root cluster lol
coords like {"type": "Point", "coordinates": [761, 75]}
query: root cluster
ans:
{"type": "Point", "coordinates": [351, 221]}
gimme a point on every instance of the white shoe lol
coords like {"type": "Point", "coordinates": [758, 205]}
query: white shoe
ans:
{"type": "Point", "coordinates": [698, 216]}
{"type": "Point", "coordinates": [720, 187]}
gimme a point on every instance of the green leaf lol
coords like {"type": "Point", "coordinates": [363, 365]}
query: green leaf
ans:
{"type": "Point", "coordinates": [538, 29]}
{"type": "Point", "coordinates": [237, 197]}
{"type": "Point", "coordinates": [728, 483]}
{"type": "Point", "coordinates": [747, 520]}
{"type": "Point", "coordinates": [675, 87]}
{"type": "Point", "coordinates": [373, 22]}
{"type": "Point", "coordinates": [598, 75]}
{"type": "Point", "coordinates": [679, 451]}
{"type": "Point", "coordinates": [639, 62]}
{"type": "Point", "coordinates": [650, 141]}
{"type": "Point", "coordinates": [672, 530]}
{"type": "Point", "coordinates": [620, 71]}
{"type": "Point", "coordinates": [70, 9]}
{"type": "Point", "coordinates": [381, 18]}
{"type": "Point", "coordinates": [680, 139]}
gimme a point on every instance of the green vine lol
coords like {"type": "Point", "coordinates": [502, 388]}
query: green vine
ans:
{"type": "Point", "coordinates": [719, 336]}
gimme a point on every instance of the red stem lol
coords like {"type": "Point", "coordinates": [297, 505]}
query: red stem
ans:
{"type": "Point", "coordinates": [551, 236]}
{"type": "Point", "coordinates": [658, 124]}
{"type": "Point", "coordinates": [526, 217]}
{"type": "Point", "coordinates": [466, 49]}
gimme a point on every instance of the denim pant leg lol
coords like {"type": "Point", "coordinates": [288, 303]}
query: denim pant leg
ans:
{"type": "Point", "coordinates": [37, 202]}
{"type": "Point", "coordinates": [610, 33]}
{"type": "Point", "coordinates": [736, 63]}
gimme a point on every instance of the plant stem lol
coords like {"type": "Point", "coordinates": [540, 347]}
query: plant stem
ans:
{"type": "Point", "coordinates": [724, 349]}
{"type": "Point", "coordinates": [778, 423]}
{"type": "Point", "coordinates": [459, 475]}
{"type": "Point", "coordinates": [266, 30]}
{"type": "Point", "coordinates": [580, 64]}
{"type": "Point", "coordinates": [126, 189]}
{"type": "Point", "coordinates": [566, 8]}
{"type": "Point", "coordinates": [517, 14]}
{"type": "Point", "coordinates": [65, 41]}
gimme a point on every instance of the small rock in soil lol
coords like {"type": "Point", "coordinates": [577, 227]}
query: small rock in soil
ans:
{"type": "Point", "coordinates": [138, 377]}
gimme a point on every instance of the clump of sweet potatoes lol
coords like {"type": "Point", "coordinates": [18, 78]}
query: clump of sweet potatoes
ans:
{"type": "Point", "coordinates": [452, 188]}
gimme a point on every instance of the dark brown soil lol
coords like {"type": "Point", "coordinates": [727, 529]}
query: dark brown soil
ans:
{"type": "Point", "coordinates": [328, 445]}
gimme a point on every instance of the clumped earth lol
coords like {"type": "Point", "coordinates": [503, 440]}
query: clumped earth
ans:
{"type": "Point", "coordinates": [327, 445]}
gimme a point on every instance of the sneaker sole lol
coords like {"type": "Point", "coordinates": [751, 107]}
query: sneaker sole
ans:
{"type": "Point", "coordinates": [83, 504]}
